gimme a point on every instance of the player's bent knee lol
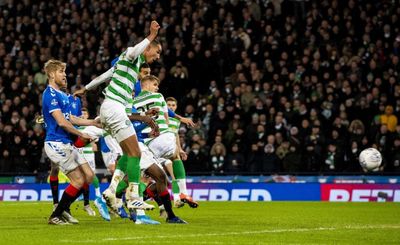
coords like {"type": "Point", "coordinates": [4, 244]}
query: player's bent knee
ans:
{"type": "Point", "coordinates": [111, 168]}
{"type": "Point", "coordinates": [89, 177]}
{"type": "Point", "coordinates": [78, 182]}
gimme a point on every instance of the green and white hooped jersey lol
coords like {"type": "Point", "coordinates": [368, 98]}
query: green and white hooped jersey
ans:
{"type": "Point", "coordinates": [147, 100]}
{"type": "Point", "coordinates": [88, 149]}
{"type": "Point", "coordinates": [123, 80]}
{"type": "Point", "coordinates": [174, 125]}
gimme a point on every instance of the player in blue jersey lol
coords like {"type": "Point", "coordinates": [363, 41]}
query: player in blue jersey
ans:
{"type": "Point", "coordinates": [76, 110]}
{"type": "Point", "coordinates": [58, 143]}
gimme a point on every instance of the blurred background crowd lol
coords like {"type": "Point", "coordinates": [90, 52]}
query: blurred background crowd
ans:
{"type": "Point", "coordinates": [274, 85]}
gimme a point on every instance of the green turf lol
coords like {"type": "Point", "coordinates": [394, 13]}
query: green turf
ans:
{"type": "Point", "coordinates": [214, 223]}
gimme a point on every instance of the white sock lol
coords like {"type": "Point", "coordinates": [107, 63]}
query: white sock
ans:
{"type": "Point", "coordinates": [176, 196]}
{"type": "Point", "coordinates": [117, 177]}
{"type": "Point", "coordinates": [97, 191]}
{"type": "Point", "coordinates": [182, 186]}
{"type": "Point", "coordinates": [132, 192]}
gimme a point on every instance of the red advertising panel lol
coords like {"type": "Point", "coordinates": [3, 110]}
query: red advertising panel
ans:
{"type": "Point", "coordinates": [360, 192]}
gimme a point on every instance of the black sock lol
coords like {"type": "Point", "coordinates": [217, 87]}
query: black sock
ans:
{"type": "Point", "coordinates": [69, 196]}
{"type": "Point", "coordinates": [166, 200]}
{"type": "Point", "coordinates": [54, 188]}
{"type": "Point", "coordinates": [85, 197]}
{"type": "Point", "coordinates": [158, 200]}
{"type": "Point", "coordinates": [119, 195]}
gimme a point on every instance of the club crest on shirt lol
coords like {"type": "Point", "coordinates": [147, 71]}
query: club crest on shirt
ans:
{"type": "Point", "coordinates": [54, 102]}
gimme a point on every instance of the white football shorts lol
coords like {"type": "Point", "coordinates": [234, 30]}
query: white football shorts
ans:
{"type": "Point", "coordinates": [163, 146]}
{"type": "Point", "coordinates": [114, 119]}
{"type": "Point", "coordinates": [65, 156]}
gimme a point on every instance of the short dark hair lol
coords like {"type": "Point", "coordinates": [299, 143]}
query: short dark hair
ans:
{"type": "Point", "coordinates": [144, 66]}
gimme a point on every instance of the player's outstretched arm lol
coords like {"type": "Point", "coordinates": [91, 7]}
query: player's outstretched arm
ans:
{"type": "Point", "coordinates": [155, 131]}
{"type": "Point", "coordinates": [181, 152]}
{"type": "Point", "coordinates": [105, 77]}
{"type": "Point", "coordinates": [67, 126]}
{"type": "Point", "coordinates": [84, 122]}
{"type": "Point", "coordinates": [134, 52]}
{"type": "Point", "coordinates": [189, 122]}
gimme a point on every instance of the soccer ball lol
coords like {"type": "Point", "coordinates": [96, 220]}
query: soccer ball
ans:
{"type": "Point", "coordinates": [370, 159]}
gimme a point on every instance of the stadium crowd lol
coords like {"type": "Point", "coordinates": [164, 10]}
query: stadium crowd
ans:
{"type": "Point", "coordinates": [274, 85]}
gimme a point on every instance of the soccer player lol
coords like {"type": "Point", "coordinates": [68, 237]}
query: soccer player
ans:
{"type": "Point", "coordinates": [151, 168]}
{"type": "Point", "coordinates": [144, 70]}
{"type": "Point", "coordinates": [58, 143]}
{"type": "Point", "coordinates": [110, 151]}
{"type": "Point", "coordinates": [114, 113]}
{"type": "Point", "coordinates": [75, 110]}
{"type": "Point", "coordinates": [165, 145]}
{"type": "Point", "coordinates": [176, 168]}
{"type": "Point", "coordinates": [88, 153]}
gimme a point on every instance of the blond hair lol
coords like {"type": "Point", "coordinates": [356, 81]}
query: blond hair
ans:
{"type": "Point", "coordinates": [171, 99]}
{"type": "Point", "coordinates": [53, 65]}
{"type": "Point", "coordinates": [150, 78]}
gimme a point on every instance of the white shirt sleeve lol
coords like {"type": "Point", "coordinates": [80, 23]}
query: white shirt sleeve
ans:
{"type": "Point", "coordinates": [134, 52]}
{"type": "Point", "coordinates": [106, 76]}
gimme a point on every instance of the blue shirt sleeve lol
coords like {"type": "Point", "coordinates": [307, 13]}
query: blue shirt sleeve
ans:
{"type": "Point", "coordinates": [171, 113]}
{"type": "Point", "coordinates": [115, 60]}
{"type": "Point", "coordinates": [138, 88]}
{"type": "Point", "coordinates": [103, 145]}
{"type": "Point", "coordinates": [51, 101]}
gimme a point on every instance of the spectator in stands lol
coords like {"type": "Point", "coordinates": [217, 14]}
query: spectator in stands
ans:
{"type": "Point", "coordinates": [271, 162]}
{"type": "Point", "coordinates": [389, 119]}
{"type": "Point", "coordinates": [254, 162]}
{"type": "Point", "coordinates": [217, 157]}
{"type": "Point", "coordinates": [353, 164]}
{"type": "Point", "coordinates": [292, 162]}
{"type": "Point", "coordinates": [197, 160]}
{"type": "Point", "coordinates": [395, 156]}
{"type": "Point", "coordinates": [235, 160]}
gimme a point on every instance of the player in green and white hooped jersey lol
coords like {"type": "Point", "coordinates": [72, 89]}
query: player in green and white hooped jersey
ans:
{"type": "Point", "coordinates": [150, 99]}
{"type": "Point", "coordinates": [165, 145]}
{"type": "Point", "coordinates": [177, 170]}
{"type": "Point", "coordinates": [88, 154]}
{"type": "Point", "coordinates": [114, 116]}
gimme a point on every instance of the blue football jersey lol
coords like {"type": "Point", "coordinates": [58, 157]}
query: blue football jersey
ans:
{"type": "Point", "coordinates": [76, 105]}
{"type": "Point", "coordinates": [53, 100]}
{"type": "Point", "coordinates": [139, 126]}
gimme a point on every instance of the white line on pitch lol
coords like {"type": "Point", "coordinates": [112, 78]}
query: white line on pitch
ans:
{"type": "Point", "coordinates": [111, 239]}
{"type": "Point", "coordinates": [19, 203]}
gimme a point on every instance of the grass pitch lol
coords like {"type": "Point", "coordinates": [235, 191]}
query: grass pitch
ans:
{"type": "Point", "coordinates": [213, 223]}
